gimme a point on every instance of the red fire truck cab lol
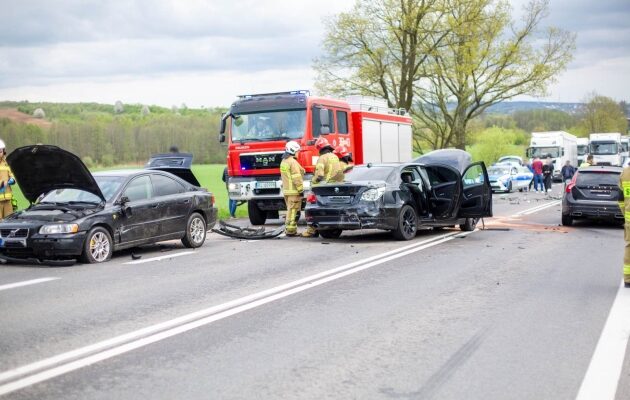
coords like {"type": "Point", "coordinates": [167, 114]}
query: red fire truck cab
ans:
{"type": "Point", "coordinates": [257, 128]}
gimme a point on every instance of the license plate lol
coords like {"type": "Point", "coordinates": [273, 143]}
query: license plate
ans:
{"type": "Point", "coordinates": [266, 185]}
{"type": "Point", "coordinates": [339, 199]}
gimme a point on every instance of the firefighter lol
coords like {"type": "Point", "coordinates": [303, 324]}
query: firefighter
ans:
{"type": "Point", "coordinates": [345, 158]}
{"type": "Point", "coordinates": [292, 175]}
{"type": "Point", "coordinates": [328, 169]}
{"type": "Point", "coordinates": [624, 204]}
{"type": "Point", "coordinates": [6, 180]}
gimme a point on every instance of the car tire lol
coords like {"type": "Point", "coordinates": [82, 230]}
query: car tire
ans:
{"type": "Point", "coordinates": [469, 225]}
{"type": "Point", "coordinates": [407, 226]}
{"type": "Point", "coordinates": [567, 220]}
{"type": "Point", "coordinates": [330, 233]}
{"type": "Point", "coordinates": [195, 231]}
{"type": "Point", "coordinates": [256, 215]}
{"type": "Point", "coordinates": [98, 246]}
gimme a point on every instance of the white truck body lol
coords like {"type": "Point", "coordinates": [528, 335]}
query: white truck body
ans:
{"type": "Point", "coordinates": [625, 146]}
{"type": "Point", "coordinates": [606, 148]}
{"type": "Point", "coordinates": [583, 150]}
{"type": "Point", "coordinates": [560, 146]}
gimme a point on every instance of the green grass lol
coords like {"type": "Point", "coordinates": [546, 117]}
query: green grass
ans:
{"type": "Point", "coordinates": [209, 175]}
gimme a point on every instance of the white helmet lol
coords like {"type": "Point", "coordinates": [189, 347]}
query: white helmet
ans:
{"type": "Point", "coordinates": [292, 147]}
{"type": "Point", "coordinates": [2, 145]}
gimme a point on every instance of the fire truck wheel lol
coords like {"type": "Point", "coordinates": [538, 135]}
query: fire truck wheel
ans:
{"type": "Point", "coordinates": [256, 215]}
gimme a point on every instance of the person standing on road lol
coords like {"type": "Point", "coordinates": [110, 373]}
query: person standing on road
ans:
{"type": "Point", "coordinates": [547, 174]}
{"type": "Point", "coordinates": [231, 203]}
{"type": "Point", "coordinates": [589, 161]}
{"type": "Point", "coordinates": [537, 166]}
{"type": "Point", "coordinates": [292, 175]}
{"type": "Point", "coordinates": [567, 172]}
{"type": "Point", "coordinates": [6, 180]}
{"type": "Point", "coordinates": [328, 169]}
{"type": "Point", "coordinates": [345, 158]}
{"type": "Point", "coordinates": [531, 169]}
{"type": "Point", "coordinates": [624, 204]}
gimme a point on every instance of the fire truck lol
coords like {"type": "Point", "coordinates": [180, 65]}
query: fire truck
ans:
{"type": "Point", "coordinates": [257, 127]}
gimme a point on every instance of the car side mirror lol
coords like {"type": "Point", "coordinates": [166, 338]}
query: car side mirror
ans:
{"type": "Point", "coordinates": [124, 205]}
{"type": "Point", "coordinates": [123, 200]}
{"type": "Point", "coordinates": [222, 138]}
{"type": "Point", "coordinates": [223, 118]}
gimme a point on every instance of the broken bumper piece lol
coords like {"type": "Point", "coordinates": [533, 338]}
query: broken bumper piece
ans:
{"type": "Point", "coordinates": [238, 232]}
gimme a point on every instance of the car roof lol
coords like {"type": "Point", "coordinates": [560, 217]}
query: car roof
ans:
{"type": "Point", "coordinates": [601, 168]}
{"type": "Point", "coordinates": [120, 172]}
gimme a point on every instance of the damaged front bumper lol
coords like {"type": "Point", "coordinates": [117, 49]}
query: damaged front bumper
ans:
{"type": "Point", "coordinates": [237, 232]}
{"type": "Point", "coordinates": [360, 216]}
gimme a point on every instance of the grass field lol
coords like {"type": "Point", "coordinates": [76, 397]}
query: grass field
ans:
{"type": "Point", "coordinates": [209, 175]}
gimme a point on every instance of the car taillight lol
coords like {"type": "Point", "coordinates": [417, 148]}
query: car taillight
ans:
{"type": "Point", "coordinates": [311, 198]}
{"type": "Point", "coordinates": [569, 187]}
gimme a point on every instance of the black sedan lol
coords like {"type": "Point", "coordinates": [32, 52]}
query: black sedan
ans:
{"type": "Point", "coordinates": [74, 213]}
{"type": "Point", "coordinates": [593, 193]}
{"type": "Point", "coordinates": [440, 189]}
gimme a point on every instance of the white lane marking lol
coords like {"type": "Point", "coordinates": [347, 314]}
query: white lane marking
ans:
{"type": "Point", "coordinates": [537, 208]}
{"type": "Point", "coordinates": [121, 344]}
{"type": "Point", "coordinates": [602, 377]}
{"type": "Point", "coordinates": [166, 257]}
{"type": "Point", "coordinates": [26, 283]}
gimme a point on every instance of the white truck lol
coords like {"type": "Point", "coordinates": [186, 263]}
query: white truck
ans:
{"type": "Point", "coordinates": [560, 146]}
{"type": "Point", "coordinates": [582, 150]}
{"type": "Point", "coordinates": [606, 148]}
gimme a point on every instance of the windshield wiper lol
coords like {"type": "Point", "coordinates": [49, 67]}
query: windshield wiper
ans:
{"type": "Point", "coordinates": [84, 202]}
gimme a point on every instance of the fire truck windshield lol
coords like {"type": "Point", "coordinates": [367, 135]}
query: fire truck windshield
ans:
{"type": "Point", "coordinates": [272, 125]}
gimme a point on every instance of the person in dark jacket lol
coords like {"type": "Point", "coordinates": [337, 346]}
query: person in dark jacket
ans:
{"type": "Point", "coordinates": [567, 172]}
{"type": "Point", "coordinates": [547, 171]}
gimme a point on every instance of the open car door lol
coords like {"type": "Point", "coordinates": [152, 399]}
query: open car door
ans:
{"type": "Point", "coordinates": [476, 200]}
{"type": "Point", "coordinates": [445, 190]}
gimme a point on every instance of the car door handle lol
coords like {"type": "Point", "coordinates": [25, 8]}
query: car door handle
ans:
{"type": "Point", "coordinates": [156, 205]}
{"type": "Point", "coordinates": [185, 201]}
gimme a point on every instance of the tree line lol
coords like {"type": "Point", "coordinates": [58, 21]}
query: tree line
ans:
{"type": "Point", "coordinates": [102, 137]}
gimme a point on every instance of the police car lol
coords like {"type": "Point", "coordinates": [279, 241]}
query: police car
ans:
{"type": "Point", "coordinates": [506, 177]}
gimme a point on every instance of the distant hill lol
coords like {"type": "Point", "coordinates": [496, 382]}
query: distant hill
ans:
{"type": "Point", "coordinates": [510, 107]}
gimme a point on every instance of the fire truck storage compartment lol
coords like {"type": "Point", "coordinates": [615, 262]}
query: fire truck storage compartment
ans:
{"type": "Point", "coordinates": [385, 141]}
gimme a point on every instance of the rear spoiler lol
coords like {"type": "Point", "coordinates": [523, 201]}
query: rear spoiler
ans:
{"type": "Point", "coordinates": [178, 164]}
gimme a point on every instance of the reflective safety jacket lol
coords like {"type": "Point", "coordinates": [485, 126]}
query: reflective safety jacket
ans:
{"type": "Point", "coordinates": [292, 175]}
{"type": "Point", "coordinates": [327, 169]}
{"type": "Point", "coordinates": [624, 198]}
{"type": "Point", "coordinates": [6, 176]}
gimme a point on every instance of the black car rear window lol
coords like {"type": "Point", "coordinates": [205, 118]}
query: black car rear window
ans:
{"type": "Point", "coordinates": [369, 174]}
{"type": "Point", "coordinates": [597, 178]}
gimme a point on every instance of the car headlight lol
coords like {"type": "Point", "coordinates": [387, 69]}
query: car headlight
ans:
{"type": "Point", "coordinates": [234, 187]}
{"type": "Point", "coordinates": [58, 228]}
{"type": "Point", "coordinates": [373, 194]}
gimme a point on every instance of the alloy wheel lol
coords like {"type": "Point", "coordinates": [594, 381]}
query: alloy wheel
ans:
{"type": "Point", "coordinates": [197, 228]}
{"type": "Point", "coordinates": [100, 246]}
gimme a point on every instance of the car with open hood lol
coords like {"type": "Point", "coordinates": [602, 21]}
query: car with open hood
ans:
{"type": "Point", "coordinates": [77, 214]}
{"type": "Point", "coordinates": [441, 188]}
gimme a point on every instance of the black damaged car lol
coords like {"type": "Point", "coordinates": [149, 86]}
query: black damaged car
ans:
{"type": "Point", "coordinates": [439, 189]}
{"type": "Point", "coordinates": [76, 214]}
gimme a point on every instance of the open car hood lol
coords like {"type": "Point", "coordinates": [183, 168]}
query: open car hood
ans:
{"type": "Point", "coordinates": [178, 164]}
{"type": "Point", "coordinates": [458, 159]}
{"type": "Point", "coordinates": [41, 168]}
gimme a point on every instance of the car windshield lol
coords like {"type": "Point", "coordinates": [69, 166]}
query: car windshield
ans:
{"type": "Point", "coordinates": [498, 171]}
{"type": "Point", "coordinates": [109, 185]}
{"type": "Point", "coordinates": [269, 125]}
{"type": "Point", "coordinates": [544, 152]}
{"type": "Point", "coordinates": [369, 174]}
{"type": "Point", "coordinates": [582, 149]}
{"type": "Point", "coordinates": [605, 148]}
{"type": "Point", "coordinates": [585, 178]}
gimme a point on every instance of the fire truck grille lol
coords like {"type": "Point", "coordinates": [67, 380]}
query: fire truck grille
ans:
{"type": "Point", "coordinates": [261, 161]}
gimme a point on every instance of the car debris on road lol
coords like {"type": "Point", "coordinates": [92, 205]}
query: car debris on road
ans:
{"type": "Point", "coordinates": [238, 232]}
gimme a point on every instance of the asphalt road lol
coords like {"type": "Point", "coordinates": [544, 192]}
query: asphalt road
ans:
{"type": "Point", "coordinates": [514, 311]}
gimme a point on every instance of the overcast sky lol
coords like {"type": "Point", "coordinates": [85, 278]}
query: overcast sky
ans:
{"type": "Point", "coordinates": [205, 52]}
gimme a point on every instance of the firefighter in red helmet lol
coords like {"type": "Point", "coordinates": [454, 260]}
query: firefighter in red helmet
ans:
{"type": "Point", "coordinates": [328, 169]}
{"type": "Point", "coordinates": [345, 158]}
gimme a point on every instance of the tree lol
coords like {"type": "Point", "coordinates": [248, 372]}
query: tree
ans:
{"type": "Point", "coordinates": [602, 114]}
{"type": "Point", "coordinates": [486, 58]}
{"type": "Point", "coordinates": [378, 48]}
{"type": "Point", "coordinates": [444, 60]}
